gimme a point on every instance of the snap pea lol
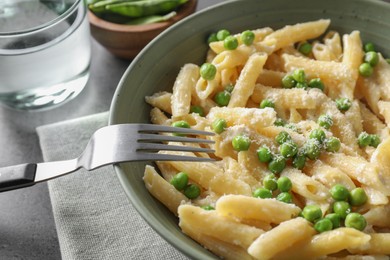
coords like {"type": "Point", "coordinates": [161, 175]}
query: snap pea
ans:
{"type": "Point", "coordinates": [151, 19]}
{"type": "Point", "coordinates": [100, 6]}
{"type": "Point", "coordinates": [144, 7]}
{"type": "Point", "coordinates": [90, 2]}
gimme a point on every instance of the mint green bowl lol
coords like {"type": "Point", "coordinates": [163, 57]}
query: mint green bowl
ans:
{"type": "Point", "coordinates": [156, 67]}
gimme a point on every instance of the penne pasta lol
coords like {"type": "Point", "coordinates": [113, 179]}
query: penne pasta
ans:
{"type": "Point", "coordinates": [266, 210]}
{"type": "Point", "coordinates": [160, 100]}
{"type": "Point", "coordinates": [210, 223]}
{"type": "Point", "coordinates": [162, 190]}
{"type": "Point", "coordinates": [246, 82]}
{"type": "Point", "coordinates": [181, 96]}
{"type": "Point", "coordinates": [327, 243]}
{"type": "Point", "coordinates": [291, 34]}
{"type": "Point", "coordinates": [290, 232]}
{"type": "Point", "coordinates": [333, 41]}
{"type": "Point", "coordinates": [295, 131]}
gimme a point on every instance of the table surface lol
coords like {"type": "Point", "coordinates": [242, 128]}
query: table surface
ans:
{"type": "Point", "coordinates": [27, 229]}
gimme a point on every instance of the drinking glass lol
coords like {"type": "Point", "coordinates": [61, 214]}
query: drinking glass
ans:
{"type": "Point", "coordinates": [45, 52]}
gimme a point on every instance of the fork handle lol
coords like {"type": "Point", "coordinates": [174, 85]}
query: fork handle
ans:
{"type": "Point", "coordinates": [17, 176]}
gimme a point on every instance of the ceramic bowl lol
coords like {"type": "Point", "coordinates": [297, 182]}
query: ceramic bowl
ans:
{"type": "Point", "coordinates": [126, 41]}
{"type": "Point", "coordinates": [156, 67]}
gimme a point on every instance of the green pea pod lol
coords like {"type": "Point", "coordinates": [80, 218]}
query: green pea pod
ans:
{"type": "Point", "coordinates": [152, 19]}
{"type": "Point", "coordinates": [99, 6]}
{"type": "Point", "coordinates": [91, 2]}
{"type": "Point", "coordinates": [145, 7]}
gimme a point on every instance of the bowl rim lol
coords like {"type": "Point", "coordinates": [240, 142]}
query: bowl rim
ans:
{"type": "Point", "coordinates": [113, 112]}
{"type": "Point", "coordinates": [184, 11]}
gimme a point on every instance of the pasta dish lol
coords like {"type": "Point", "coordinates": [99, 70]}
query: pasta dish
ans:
{"type": "Point", "coordinates": [302, 145]}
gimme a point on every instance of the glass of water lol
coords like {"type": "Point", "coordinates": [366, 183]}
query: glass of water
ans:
{"type": "Point", "coordinates": [45, 52]}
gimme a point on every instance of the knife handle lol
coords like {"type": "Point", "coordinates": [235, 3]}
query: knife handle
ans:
{"type": "Point", "coordinates": [17, 176]}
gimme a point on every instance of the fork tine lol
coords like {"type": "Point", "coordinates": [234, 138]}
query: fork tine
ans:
{"type": "Point", "coordinates": [170, 129]}
{"type": "Point", "coordinates": [171, 138]}
{"type": "Point", "coordinates": [166, 147]}
{"type": "Point", "coordinates": [171, 157]}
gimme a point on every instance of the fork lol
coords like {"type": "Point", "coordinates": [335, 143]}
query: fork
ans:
{"type": "Point", "coordinates": [110, 145]}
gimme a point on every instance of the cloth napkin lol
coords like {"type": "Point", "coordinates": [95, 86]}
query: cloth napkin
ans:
{"type": "Point", "coordinates": [93, 217]}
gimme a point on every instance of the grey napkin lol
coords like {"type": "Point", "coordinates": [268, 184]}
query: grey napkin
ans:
{"type": "Point", "coordinates": [93, 216]}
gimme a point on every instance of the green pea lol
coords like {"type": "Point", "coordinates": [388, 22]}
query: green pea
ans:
{"type": "Point", "coordinates": [335, 218]}
{"type": "Point", "coordinates": [267, 103]}
{"type": "Point", "coordinates": [316, 83]}
{"type": "Point", "coordinates": [302, 85]}
{"type": "Point", "coordinates": [279, 122]}
{"type": "Point", "coordinates": [284, 184]}
{"type": "Point", "coordinates": [318, 134]}
{"type": "Point", "coordinates": [343, 104]}
{"type": "Point", "coordinates": [219, 125]}
{"type": "Point", "coordinates": [364, 139]}
{"type": "Point", "coordinates": [247, 37]}
{"type": "Point", "coordinates": [222, 98]}
{"type": "Point", "coordinates": [180, 180]}
{"type": "Point", "coordinates": [369, 46]}
{"type": "Point", "coordinates": [339, 192]}
{"type": "Point", "coordinates": [182, 124]}
{"type": "Point", "coordinates": [192, 191]}
{"type": "Point", "coordinates": [375, 141]}
{"type": "Point", "coordinates": [241, 143]}
{"type": "Point", "coordinates": [277, 164]}
{"type": "Point", "coordinates": [342, 208]}
{"type": "Point", "coordinates": [230, 43]}
{"type": "Point", "coordinates": [229, 87]}
{"type": "Point", "coordinates": [288, 149]}
{"type": "Point", "coordinates": [371, 58]}
{"type": "Point", "coordinates": [323, 225]}
{"type": "Point", "coordinates": [305, 48]}
{"type": "Point", "coordinates": [222, 34]}
{"type": "Point", "coordinates": [283, 137]}
{"type": "Point", "coordinates": [264, 154]}
{"type": "Point", "coordinates": [285, 197]}
{"type": "Point", "coordinates": [208, 207]}
{"type": "Point", "coordinates": [312, 149]}
{"type": "Point", "coordinates": [208, 71]}
{"type": "Point", "coordinates": [197, 109]}
{"type": "Point", "coordinates": [262, 193]}
{"type": "Point", "coordinates": [332, 144]}
{"type": "Point", "coordinates": [299, 160]}
{"type": "Point", "coordinates": [356, 221]}
{"type": "Point", "coordinates": [325, 121]}
{"type": "Point", "coordinates": [270, 182]}
{"type": "Point", "coordinates": [288, 81]}
{"type": "Point", "coordinates": [212, 38]}
{"type": "Point", "coordinates": [357, 197]}
{"type": "Point", "coordinates": [312, 213]}
{"type": "Point", "coordinates": [365, 69]}
{"type": "Point", "coordinates": [299, 75]}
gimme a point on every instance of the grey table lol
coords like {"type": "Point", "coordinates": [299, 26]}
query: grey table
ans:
{"type": "Point", "coordinates": [27, 229]}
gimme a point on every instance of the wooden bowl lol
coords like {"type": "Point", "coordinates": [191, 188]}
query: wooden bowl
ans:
{"type": "Point", "coordinates": [126, 41]}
